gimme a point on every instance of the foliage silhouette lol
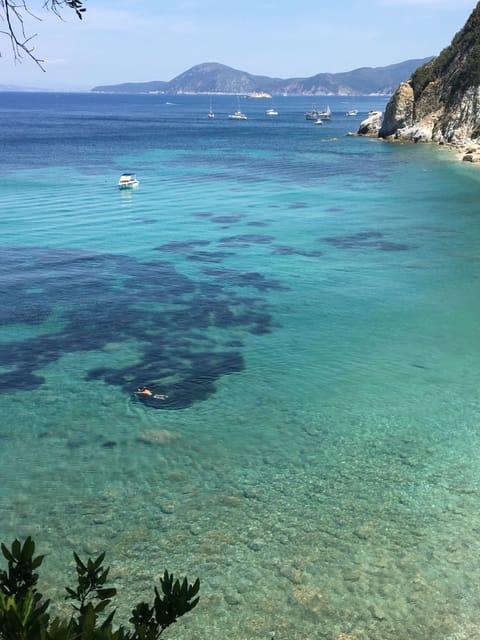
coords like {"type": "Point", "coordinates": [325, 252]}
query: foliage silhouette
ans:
{"type": "Point", "coordinates": [13, 14]}
{"type": "Point", "coordinates": [24, 613]}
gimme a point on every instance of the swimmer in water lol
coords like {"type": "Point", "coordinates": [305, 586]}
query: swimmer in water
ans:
{"type": "Point", "coordinates": [144, 391]}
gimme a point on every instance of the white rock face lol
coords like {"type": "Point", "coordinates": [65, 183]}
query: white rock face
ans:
{"type": "Point", "coordinates": [441, 101]}
{"type": "Point", "coordinates": [371, 125]}
{"type": "Point", "coordinates": [463, 120]}
{"type": "Point", "coordinates": [399, 111]}
{"type": "Point", "coordinates": [428, 119]}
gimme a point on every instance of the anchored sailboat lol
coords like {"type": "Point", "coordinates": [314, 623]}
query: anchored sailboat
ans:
{"type": "Point", "coordinates": [327, 114]}
{"type": "Point", "coordinates": [237, 115]}
{"type": "Point", "coordinates": [211, 113]}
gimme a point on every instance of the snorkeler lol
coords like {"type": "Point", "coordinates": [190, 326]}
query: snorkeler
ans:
{"type": "Point", "coordinates": [144, 391]}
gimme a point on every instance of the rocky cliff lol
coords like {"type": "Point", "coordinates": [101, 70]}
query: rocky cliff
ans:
{"type": "Point", "coordinates": [441, 101]}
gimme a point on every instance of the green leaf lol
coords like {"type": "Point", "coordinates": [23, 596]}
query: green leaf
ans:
{"type": "Point", "coordinates": [107, 621]}
{"type": "Point", "coordinates": [195, 588]}
{"type": "Point", "coordinates": [37, 562]}
{"type": "Point", "coordinates": [7, 553]}
{"type": "Point", "coordinates": [193, 603]}
{"type": "Point", "coordinates": [102, 594]}
{"type": "Point", "coordinates": [99, 560]}
{"type": "Point", "coordinates": [102, 578]}
{"type": "Point", "coordinates": [81, 568]}
{"type": "Point", "coordinates": [28, 549]}
{"type": "Point", "coordinates": [71, 593]}
{"type": "Point", "coordinates": [16, 549]}
{"type": "Point", "coordinates": [101, 606]}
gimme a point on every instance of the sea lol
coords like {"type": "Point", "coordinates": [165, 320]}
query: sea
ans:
{"type": "Point", "coordinates": [305, 304]}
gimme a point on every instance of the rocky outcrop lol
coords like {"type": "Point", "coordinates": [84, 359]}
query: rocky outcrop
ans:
{"type": "Point", "coordinates": [441, 101]}
{"type": "Point", "coordinates": [371, 125]}
{"type": "Point", "coordinates": [428, 120]}
{"type": "Point", "coordinates": [399, 111]}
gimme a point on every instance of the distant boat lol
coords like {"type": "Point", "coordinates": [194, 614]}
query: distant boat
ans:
{"type": "Point", "coordinates": [327, 114]}
{"type": "Point", "coordinates": [128, 181]}
{"type": "Point", "coordinates": [318, 121]}
{"type": "Point", "coordinates": [314, 114]}
{"type": "Point", "coordinates": [271, 112]}
{"type": "Point", "coordinates": [352, 112]}
{"type": "Point", "coordinates": [258, 94]}
{"type": "Point", "coordinates": [211, 114]}
{"type": "Point", "coordinates": [237, 115]}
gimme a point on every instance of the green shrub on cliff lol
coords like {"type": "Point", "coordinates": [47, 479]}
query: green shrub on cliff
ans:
{"type": "Point", "coordinates": [457, 66]}
{"type": "Point", "coordinates": [24, 613]}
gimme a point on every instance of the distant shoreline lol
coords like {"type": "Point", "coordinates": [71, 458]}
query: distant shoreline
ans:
{"type": "Point", "coordinates": [246, 95]}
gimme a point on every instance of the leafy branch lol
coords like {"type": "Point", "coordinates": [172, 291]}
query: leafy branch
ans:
{"type": "Point", "coordinates": [24, 614]}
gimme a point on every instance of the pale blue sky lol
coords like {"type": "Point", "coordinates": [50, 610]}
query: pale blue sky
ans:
{"type": "Point", "coordinates": [142, 40]}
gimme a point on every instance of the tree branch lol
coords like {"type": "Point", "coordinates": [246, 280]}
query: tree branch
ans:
{"type": "Point", "coordinates": [12, 14]}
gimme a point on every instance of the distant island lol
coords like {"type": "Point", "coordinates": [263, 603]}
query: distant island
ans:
{"type": "Point", "coordinates": [215, 78]}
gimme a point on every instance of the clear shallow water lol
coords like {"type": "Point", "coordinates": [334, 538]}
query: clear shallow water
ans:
{"type": "Point", "coordinates": [309, 303]}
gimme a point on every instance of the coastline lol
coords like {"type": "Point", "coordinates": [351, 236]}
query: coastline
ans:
{"type": "Point", "coordinates": [466, 151]}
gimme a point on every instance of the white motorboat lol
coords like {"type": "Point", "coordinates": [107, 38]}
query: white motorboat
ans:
{"type": "Point", "coordinates": [352, 112]}
{"type": "Point", "coordinates": [128, 181]}
{"type": "Point", "coordinates": [238, 115]}
{"type": "Point", "coordinates": [318, 121]}
{"type": "Point", "coordinates": [271, 112]}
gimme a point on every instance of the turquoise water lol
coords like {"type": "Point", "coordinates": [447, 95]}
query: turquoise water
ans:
{"type": "Point", "coordinates": [308, 302]}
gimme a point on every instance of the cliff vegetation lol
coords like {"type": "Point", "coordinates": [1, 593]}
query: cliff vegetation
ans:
{"type": "Point", "coordinates": [441, 100]}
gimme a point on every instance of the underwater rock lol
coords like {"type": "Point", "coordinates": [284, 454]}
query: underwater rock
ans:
{"type": "Point", "coordinates": [102, 518]}
{"type": "Point", "coordinates": [234, 500]}
{"type": "Point", "coordinates": [363, 532]}
{"type": "Point", "coordinates": [291, 573]}
{"type": "Point", "coordinates": [167, 508]}
{"type": "Point", "coordinates": [256, 544]}
{"type": "Point", "coordinates": [91, 548]}
{"type": "Point", "coordinates": [311, 599]}
{"type": "Point", "coordinates": [377, 613]}
{"type": "Point", "coordinates": [112, 347]}
{"type": "Point", "coordinates": [232, 598]}
{"type": "Point", "coordinates": [195, 530]}
{"type": "Point", "coordinates": [109, 444]}
{"type": "Point", "coordinates": [158, 436]}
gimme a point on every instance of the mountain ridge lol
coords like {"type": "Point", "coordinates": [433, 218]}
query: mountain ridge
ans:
{"type": "Point", "coordinates": [213, 77]}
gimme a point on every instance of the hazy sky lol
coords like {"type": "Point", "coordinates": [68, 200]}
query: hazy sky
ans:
{"type": "Point", "coordinates": [142, 40]}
